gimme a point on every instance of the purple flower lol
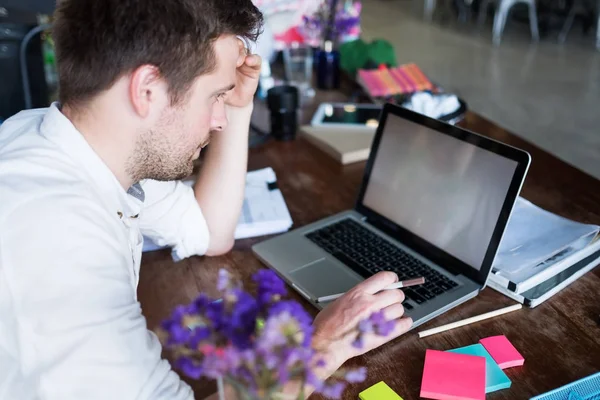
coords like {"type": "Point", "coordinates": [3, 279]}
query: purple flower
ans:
{"type": "Point", "coordinates": [241, 324]}
{"type": "Point", "coordinates": [382, 326]}
{"type": "Point", "coordinates": [356, 376]}
{"type": "Point", "coordinates": [270, 286]}
{"type": "Point", "coordinates": [314, 381]}
{"type": "Point", "coordinates": [199, 304]}
{"type": "Point", "coordinates": [376, 323]}
{"type": "Point", "coordinates": [178, 332]}
{"type": "Point", "coordinates": [224, 339]}
{"type": "Point", "coordinates": [270, 359]}
{"type": "Point", "coordinates": [366, 326]}
{"type": "Point", "coordinates": [218, 362]}
{"type": "Point", "coordinates": [275, 332]}
{"type": "Point", "coordinates": [189, 367]}
{"type": "Point", "coordinates": [215, 313]}
{"type": "Point", "coordinates": [299, 314]}
{"type": "Point", "coordinates": [199, 335]}
{"type": "Point", "coordinates": [333, 390]}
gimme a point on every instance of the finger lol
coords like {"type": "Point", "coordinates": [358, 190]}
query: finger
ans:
{"type": "Point", "coordinates": [386, 298]}
{"type": "Point", "coordinates": [377, 282]}
{"type": "Point", "coordinates": [402, 326]}
{"type": "Point", "coordinates": [372, 341]}
{"type": "Point", "coordinates": [394, 311]}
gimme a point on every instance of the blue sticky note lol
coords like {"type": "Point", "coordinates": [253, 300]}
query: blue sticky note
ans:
{"type": "Point", "coordinates": [495, 378]}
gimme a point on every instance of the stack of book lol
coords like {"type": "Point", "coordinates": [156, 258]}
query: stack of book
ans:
{"type": "Point", "coordinates": [404, 79]}
{"type": "Point", "coordinates": [541, 253]}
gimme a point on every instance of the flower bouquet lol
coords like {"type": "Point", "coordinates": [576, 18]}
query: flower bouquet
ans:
{"type": "Point", "coordinates": [255, 344]}
{"type": "Point", "coordinates": [336, 20]}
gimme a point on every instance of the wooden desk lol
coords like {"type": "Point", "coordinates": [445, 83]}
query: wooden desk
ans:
{"type": "Point", "coordinates": [559, 339]}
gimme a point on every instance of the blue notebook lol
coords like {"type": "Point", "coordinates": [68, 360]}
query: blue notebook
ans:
{"type": "Point", "coordinates": [495, 378]}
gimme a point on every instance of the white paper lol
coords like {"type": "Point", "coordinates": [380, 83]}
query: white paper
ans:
{"type": "Point", "coordinates": [264, 211]}
{"type": "Point", "coordinates": [535, 239]}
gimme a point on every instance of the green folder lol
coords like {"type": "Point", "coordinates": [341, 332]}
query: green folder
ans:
{"type": "Point", "coordinates": [495, 378]}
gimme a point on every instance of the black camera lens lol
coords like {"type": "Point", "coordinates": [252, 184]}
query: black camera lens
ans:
{"type": "Point", "coordinates": [283, 102]}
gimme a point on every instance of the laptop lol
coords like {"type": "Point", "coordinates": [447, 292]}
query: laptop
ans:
{"type": "Point", "coordinates": [434, 202]}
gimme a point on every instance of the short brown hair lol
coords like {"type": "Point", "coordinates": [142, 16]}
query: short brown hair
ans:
{"type": "Point", "coordinates": [99, 41]}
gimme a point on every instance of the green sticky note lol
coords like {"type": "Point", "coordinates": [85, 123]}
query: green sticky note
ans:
{"type": "Point", "coordinates": [495, 378]}
{"type": "Point", "coordinates": [379, 391]}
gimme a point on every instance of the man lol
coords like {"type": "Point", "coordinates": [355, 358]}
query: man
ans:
{"type": "Point", "coordinates": [144, 85]}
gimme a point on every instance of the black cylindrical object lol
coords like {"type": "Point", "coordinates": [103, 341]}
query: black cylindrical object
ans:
{"type": "Point", "coordinates": [328, 67]}
{"type": "Point", "coordinates": [283, 102]}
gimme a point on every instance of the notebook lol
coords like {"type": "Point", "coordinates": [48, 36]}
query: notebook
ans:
{"type": "Point", "coordinates": [502, 351]}
{"type": "Point", "coordinates": [495, 378]}
{"type": "Point", "coordinates": [449, 375]}
{"type": "Point", "coordinates": [344, 145]}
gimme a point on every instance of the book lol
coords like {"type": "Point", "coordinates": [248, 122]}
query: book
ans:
{"type": "Point", "coordinates": [382, 82]}
{"type": "Point", "coordinates": [264, 211]}
{"type": "Point", "coordinates": [345, 145]}
{"type": "Point", "coordinates": [538, 245]}
{"type": "Point", "coordinates": [545, 290]}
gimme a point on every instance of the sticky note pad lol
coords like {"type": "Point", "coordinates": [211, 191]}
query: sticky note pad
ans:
{"type": "Point", "coordinates": [495, 378]}
{"type": "Point", "coordinates": [502, 351]}
{"type": "Point", "coordinates": [379, 391]}
{"type": "Point", "coordinates": [453, 376]}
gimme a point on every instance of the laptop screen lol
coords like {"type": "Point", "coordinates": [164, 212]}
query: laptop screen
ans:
{"type": "Point", "coordinates": [447, 191]}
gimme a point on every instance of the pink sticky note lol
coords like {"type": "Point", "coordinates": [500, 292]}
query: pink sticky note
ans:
{"type": "Point", "coordinates": [453, 376]}
{"type": "Point", "coordinates": [502, 351]}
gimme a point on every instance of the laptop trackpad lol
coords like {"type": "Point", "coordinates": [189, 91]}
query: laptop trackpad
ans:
{"type": "Point", "coordinates": [322, 278]}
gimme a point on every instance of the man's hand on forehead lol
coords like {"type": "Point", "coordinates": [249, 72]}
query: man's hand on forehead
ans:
{"type": "Point", "coordinates": [248, 67]}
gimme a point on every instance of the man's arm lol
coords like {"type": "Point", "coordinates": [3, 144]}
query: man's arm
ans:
{"type": "Point", "coordinates": [80, 328]}
{"type": "Point", "coordinates": [221, 182]}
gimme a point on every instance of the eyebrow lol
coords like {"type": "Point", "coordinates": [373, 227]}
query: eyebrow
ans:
{"type": "Point", "coordinates": [223, 90]}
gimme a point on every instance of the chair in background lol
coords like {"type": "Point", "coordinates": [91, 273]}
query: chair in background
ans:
{"type": "Point", "coordinates": [463, 7]}
{"type": "Point", "coordinates": [580, 7]}
{"type": "Point", "coordinates": [502, 10]}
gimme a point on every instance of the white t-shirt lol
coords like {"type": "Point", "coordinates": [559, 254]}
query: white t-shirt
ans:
{"type": "Point", "coordinates": [70, 248]}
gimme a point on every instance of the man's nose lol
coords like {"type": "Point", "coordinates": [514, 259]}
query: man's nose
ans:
{"type": "Point", "coordinates": [219, 119]}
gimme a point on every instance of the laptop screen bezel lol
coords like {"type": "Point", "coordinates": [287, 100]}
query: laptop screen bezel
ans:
{"type": "Point", "coordinates": [420, 245]}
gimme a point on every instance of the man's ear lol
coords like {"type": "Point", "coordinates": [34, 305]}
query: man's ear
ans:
{"type": "Point", "coordinates": [147, 90]}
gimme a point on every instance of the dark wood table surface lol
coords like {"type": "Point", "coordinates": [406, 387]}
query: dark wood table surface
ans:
{"type": "Point", "coordinates": [560, 339]}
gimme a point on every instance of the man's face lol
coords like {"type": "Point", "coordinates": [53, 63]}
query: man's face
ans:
{"type": "Point", "coordinates": [168, 150]}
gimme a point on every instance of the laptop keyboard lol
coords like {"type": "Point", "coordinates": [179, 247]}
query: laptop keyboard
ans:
{"type": "Point", "coordinates": [368, 253]}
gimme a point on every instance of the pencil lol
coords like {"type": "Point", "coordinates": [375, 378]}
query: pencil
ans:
{"type": "Point", "coordinates": [471, 320]}
{"type": "Point", "coordinates": [397, 285]}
